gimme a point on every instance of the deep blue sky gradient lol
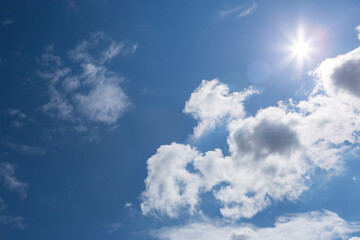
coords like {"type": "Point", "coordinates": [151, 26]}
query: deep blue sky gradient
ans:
{"type": "Point", "coordinates": [83, 180]}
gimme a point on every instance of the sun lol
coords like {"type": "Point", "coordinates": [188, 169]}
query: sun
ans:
{"type": "Point", "coordinates": [300, 47]}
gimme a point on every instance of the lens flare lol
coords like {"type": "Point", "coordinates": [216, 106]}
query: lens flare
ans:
{"type": "Point", "coordinates": [300, 47]}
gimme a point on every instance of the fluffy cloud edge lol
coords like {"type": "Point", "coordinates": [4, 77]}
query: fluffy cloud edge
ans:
{"type": "Point", "coordinates": [317, 225]}
{"type": "Point", "coordinates": [259, 146]}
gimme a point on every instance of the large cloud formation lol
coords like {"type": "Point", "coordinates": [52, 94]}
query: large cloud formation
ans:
{"type": "Point", "coordinates": [324, 225]}
{"type": "Point", "coordinates": [272, 155]}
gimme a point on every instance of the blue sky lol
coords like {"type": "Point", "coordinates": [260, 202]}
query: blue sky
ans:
{"type": "Point", "coordinates": [174, 120]}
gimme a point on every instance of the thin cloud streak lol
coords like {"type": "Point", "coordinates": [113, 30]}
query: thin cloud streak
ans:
{"type": "Point", "coordinates": [10, 181]}
{"type": "Point", "coordinates": [248, 11]}
{"type": "Point", "coordinates": [244, 10]}
{"type": "Point", "coordinates": [322, 225]}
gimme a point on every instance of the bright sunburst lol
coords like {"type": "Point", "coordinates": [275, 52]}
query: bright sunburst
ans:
{"type": "Point", "coordinates": [300, 47]}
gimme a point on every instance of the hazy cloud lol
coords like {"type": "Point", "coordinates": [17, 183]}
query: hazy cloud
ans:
{"type": "Point", "coordinates": [2, 205]}
{"type": "Point", "coordinates": [8, 178]}
{"type": "Point", "coordinates": [17, 222]}
{"type": "Point", "coordinates": [243, 10]}
{"type": "Point", "coordinates": [16, 112]}
{"type": "Point", "coordinates": [324, 225]}
{"type": "Point", "coordinates": [113, 227]}
{"type": "Point", "coordinates": [251, 9]}
{"type": "Point", "coordinates": [224, 13]}
{"type": "Point", "coordinates": [26, 149]}
{"type": "Point", "coordinates": [18, 116]}
{"type": "Point", "coordinates": [88, 90]}
{"type": "Point", "coordinates": [7, 22]}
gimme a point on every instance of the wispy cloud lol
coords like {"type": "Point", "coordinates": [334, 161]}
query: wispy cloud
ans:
{"type": "Point", "coordinates": [8, 178]}
{"type": "Point", "coordinates": [7, 22]}
{"type": "Point", "coordinates": [16, 112]}
{"type": "Point", "coordinates": [324, 225]}
{"type": "Point", "coordinates": [224, 13]}
{"type": "Point", "coordinates": [2, 205]}
{"type": "Point", "coordinates": [358, 30]}
{"type": "Point", "coordinates": [25, 149]}
{"type": "Point", "coordinates": [18, 116]}
{"type": "Point", "coordinates": [244, 10]}
{"type": "Point", "coordinates": [17, 222]}
{"type": "Point", "coordinates": [88, 90]}
{"type": "Point", "coordinates": [248, 11]}
{"type": "Point", "coordinates": [113, 227]}
{"type": "Point", "coordinates": [128, 205]}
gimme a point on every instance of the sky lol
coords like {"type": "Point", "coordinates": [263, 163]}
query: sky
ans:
{"type": "Point", "coordinates": [176, 120]}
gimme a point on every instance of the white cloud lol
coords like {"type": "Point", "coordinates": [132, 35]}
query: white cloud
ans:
{"type": "Point", "coordinates": [323, 225]}
{"type": "Point", "coordinates": [339, 76]}
{"type": "Point", "coordinates": [128, 205]}
{"type": "Point", "coordinates": [106, 103]}
{"type": "Point", "coordinates": [88, 90]}
{"type": "Point", "coordinates": [169, 186]}
{"type": "Point", "coordinates": [358, 30]}
{"type": "Point", "coordinates": [224, 13]}
{"type": "Point", "coordinates": [8, 178]}
{"type": "Point", "coordinates": [211, 103]}
{"type": "Point", "coordinates": [251, 9]}
{"type": "Point", "coordinates": [58, 106]}
{"type": "Point", "coordinates": [272, 155]}
{"type": "Point", "coordinates": [244, 10]}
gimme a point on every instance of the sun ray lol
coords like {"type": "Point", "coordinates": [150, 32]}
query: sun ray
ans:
{"type": "Point", "coordinates": [300, 47]}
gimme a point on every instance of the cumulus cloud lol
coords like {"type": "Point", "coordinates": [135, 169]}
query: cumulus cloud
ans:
{"type": "Point", "coordinates": [211, 103]}
{"type": "Point", "coordinates": [340, 76]}
{"type": "Point", "coordinates": [169, 186]}
{"type": "Point", "coordinates": [8, 178]}
{"type": "Point", "coordinates": [272, 155]}
{"type": "Point", "coordinates": [87, 90]}
{"type": "Point", "coordinates": [324, 225]}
